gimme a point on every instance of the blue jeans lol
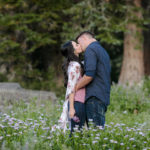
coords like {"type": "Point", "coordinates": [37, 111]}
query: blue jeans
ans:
{"type": "Point", "coordinates": [95, 110]}
{"type": "Point", "coordinates": [80, 113]}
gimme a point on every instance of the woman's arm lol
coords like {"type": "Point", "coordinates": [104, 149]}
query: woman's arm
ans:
{"type": "Point", "coordinates": [73, 76]}
{"type": "Point", "coordinates": [71, 100]}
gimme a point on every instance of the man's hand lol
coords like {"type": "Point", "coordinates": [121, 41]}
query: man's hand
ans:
{"type": "Point", "coordinates": [71, 112]}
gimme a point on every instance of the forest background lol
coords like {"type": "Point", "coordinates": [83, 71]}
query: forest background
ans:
{"type": "Point", "coordinates": [32, 32]}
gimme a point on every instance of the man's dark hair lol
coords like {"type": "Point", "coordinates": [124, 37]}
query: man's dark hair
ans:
{"type": "Point", "coordinates": [86, 33]}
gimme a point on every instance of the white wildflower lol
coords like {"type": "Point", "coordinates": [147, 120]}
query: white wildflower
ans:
{"type": "Point", "coordinates": [76, 136]}
{"type": "Point", "coordinates": [46, 128]}
{"type": "Point", "coordinates": [131, 139]}
{"type": "Point", "coordinates": [94, 142]}
{"type": "Point", "coordinates": [49, 137]}
{"type": "Point", "coordinates": [97, 138]}
{"type": "Point", "coordinates": [98, 134]}
{"type": "Point", "coordinates": [126, 136]}
{"type": "Point", "coordinates": [111, 141]}
{"type": "Point", "coordinates": [134, 145]}
{"type": "Point", "coordinates": [90, 120]}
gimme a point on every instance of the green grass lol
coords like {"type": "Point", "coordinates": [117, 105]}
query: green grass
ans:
{"type": "Point", "coordinates": [27, 125]}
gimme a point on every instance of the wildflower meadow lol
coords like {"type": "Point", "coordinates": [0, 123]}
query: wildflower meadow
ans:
{"type": "Point", "coordinates": [26, 125]}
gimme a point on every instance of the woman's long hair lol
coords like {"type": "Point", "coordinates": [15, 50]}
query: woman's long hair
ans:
{"type": "Point", "coordinates": [67, 51]}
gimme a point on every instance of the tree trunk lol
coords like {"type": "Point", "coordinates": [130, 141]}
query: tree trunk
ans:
{"type": "Point", "coordinates": [132, 69]}
{"type": "Point", "coordinates": [147, 52]}
{"type": "Point", "coordinates": [146, 6]}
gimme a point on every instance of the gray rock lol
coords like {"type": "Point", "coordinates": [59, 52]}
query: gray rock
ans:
{"type": "Point", "coordinates": [10, 85]}
{"type": "Point", "coordinates": [13, 91]}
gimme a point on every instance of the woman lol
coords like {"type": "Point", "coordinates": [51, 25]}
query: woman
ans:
{"type": "Point", "coordinates": [73, 71]}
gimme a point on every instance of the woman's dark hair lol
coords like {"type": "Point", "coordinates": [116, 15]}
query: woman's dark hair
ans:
{"type": "Point", "coordinates": [67, 51]}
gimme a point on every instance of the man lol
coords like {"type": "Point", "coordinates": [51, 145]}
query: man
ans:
{"type": "Point", "coordinates": [96, 78]}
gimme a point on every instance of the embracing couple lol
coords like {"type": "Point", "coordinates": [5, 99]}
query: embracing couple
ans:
{"type": "Point", "coordinates": [87, 85]}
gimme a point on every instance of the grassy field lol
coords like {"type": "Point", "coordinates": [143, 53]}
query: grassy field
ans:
{"type": "Point", "coordinates": [27, 125]}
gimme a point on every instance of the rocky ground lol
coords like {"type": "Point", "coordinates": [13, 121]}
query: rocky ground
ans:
{"type": "Point", "coordinates": [13, 91]}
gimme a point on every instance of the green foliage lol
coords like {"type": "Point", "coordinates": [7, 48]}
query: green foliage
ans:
{"type": "Point", "coordinates": [38, 80]}
{"type": "Point", "coordinates": [107, 20]}
{"type": "Point", "coordinates": [131, 100]}
{"type": "Point", "coordinates": [27, 26]}
{"type": "Point", "coordinates": [146, 85]}
{"type": "Point", "coordinates": [3, 77]}
{"type": "Point", "coordinates": [32, 31]}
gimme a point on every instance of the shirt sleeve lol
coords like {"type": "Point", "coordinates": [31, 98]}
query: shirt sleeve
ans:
{"type": "Point", "coordinates": [90, 62]}
{"type": "Point", "coordinates": [73, 76]}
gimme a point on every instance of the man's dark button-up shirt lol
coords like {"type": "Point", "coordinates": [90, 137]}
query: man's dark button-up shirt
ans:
{"type": "Point", "coordinates": [97, 65]}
